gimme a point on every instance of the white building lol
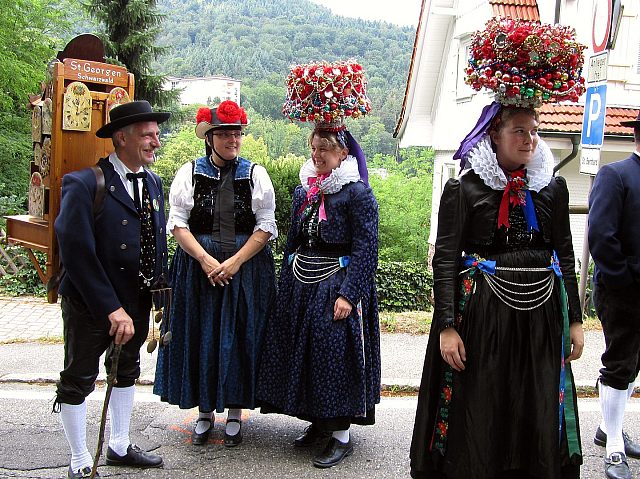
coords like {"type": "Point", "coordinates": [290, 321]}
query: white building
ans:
{"type": "Point", "coordinates": [439, 108]}
{"type": "Point", "coordinates": [209, 90]}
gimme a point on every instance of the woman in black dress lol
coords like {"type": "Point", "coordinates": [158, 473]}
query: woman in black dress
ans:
{"type": "Point", "coordinates": [497, 398]}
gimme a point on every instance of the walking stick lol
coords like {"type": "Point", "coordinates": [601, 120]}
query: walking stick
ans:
{"type": "Point", "coordinates": [111, 380]}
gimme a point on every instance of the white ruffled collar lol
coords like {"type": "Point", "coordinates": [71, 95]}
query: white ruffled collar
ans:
{"type": "Point", "coordinates": [482, 159]}
{"type": "Point", "coordinates": [344, 174]}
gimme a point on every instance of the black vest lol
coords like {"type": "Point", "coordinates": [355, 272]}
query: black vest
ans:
{"type": "Point", "coordinates": [204, 199]}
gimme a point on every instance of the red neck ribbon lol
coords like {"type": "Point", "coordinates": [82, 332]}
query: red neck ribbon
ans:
{"type": "Point", "coordinates": [514, 194]}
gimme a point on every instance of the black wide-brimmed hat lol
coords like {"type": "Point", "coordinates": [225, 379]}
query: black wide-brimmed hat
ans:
{"type": "Point", "coordinates": [632, 123]}
{"type": "Point", "coordinates": [128, 113]}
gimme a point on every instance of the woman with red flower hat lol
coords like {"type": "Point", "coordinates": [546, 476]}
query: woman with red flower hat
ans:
{"type": "Point", "coordinates": [222, 216]}
{"type": "Point", "coordinates": [497, 398]}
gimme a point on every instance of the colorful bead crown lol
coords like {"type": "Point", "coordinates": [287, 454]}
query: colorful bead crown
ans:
{"type": "Point", "coordinates": [326, 93]}
{"type": "Point", "coordinates": [526, 63]}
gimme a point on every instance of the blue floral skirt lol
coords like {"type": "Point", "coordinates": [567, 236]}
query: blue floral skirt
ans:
{"type": "Point", "coordinates": [212, 359]}
{"type": "Point", "coordinates": [315, 368]}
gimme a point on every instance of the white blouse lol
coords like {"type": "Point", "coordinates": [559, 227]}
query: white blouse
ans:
{"type": "Point", "coordinates": [263, 200]}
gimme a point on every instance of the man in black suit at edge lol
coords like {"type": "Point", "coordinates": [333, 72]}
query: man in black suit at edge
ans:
{"type": "Point", "coordinates": [111, 258]}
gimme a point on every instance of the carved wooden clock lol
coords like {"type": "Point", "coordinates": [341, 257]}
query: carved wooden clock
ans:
{"type": "Point", "coordinates": [76, 109]}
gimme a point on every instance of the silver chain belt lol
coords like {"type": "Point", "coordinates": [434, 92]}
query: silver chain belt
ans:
{"type": "Point", "coordinates": [322, 267]}
{"type": "Point", "coordinates": [538, 294]}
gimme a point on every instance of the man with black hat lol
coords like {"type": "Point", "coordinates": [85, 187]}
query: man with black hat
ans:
{"type": "Point", "coordinates": [112, 257]}
{"type": "Point", "coordinates": [614, 241]}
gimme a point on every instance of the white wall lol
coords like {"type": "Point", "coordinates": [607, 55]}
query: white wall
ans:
{"type": "Point", "coordinates": [454, 113]}
{"type": "Point", "coordinates": [204, 90]}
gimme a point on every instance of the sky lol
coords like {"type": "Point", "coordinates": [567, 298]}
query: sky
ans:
{"type": "Point", "coordinates": [400, 12]}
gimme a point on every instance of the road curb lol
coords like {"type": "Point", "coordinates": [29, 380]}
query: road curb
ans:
{"type": "Point", "coordinates": [389, 385]}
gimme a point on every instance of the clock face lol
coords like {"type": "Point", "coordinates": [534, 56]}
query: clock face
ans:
{"type": "Point", "coordinates": [37, 154]}
{"type": "Point", "coordinates": [45, 159]}
{"type": "Point", "coordinates": [36, 124]}
{"type": "Point", "coordinates": [36, 196]}
{"type": "Point", "coordinates": [76, 109]}
{"type": "Point", "coordinates": [46, 116]}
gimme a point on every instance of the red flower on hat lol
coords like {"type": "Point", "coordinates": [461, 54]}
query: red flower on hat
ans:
{"type": "Point", "coordinates": [203, 114]}
{"type": "Point", "coordinates": [229, 112]}
{"type": "Point", "coordinates": [243, 116]}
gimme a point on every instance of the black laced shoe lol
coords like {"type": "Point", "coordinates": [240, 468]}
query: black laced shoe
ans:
{"type": "Point", "coordinates": [135, 457]}
{"type": "Point", "coordinates": [333, 453]}
{"type": "Point", "coordinates": [80, 473]}
{"type": "Point", "coordinates": [310, 436]}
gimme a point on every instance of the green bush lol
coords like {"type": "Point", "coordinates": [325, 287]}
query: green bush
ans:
{"type": "Point", "coordinates": [401, 286]}
{"type": "Point", "coordinates": [26, 281]}
{"type": "Point", "coordinates": [284, 174]}
{"type": "Point", "coordinates": [16, 147]}
{"type": "Point", "coordinates": [404, 286]}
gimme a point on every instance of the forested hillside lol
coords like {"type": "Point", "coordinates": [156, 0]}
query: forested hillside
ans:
{"type": "Point", "coordinates": [249, 39]}
{"type": "Point", "coordinates": [256, 41]}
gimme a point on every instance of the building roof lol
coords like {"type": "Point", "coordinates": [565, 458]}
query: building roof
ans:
{"type": "Point", "coordinates": [412, 71]}
{"type": "Point", "coordinates": [522, 9]}
{"type": "Point", "coordinates": [567, 118]}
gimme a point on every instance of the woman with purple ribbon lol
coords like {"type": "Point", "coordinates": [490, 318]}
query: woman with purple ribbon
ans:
{"type": "Point", "coordinates": [321, 357]}
{"type": "Point", "coordinates": [497, 398]}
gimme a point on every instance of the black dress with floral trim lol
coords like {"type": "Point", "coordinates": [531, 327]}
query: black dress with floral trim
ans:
{"type": "Point", "coordinates": [504, 415]}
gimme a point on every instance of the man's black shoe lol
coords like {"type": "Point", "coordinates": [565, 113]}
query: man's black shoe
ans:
{"type": "Point", "coordinates": [333, 453]}
{"type": "Point", "coordinates": [198, 439]}
{"type": "Point", "coordinates": [310, 436]}
{"type": "Point", "coordinates": [135, 457]}
{"type": "Point", "coordinates": [631, 449]}
{"type": "Point", "coordinates": [80, 473]}
{"type": "Point", "coordinates": [616, 467]}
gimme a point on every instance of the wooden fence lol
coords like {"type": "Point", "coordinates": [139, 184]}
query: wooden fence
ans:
{"type": "Point", "coordinates": [12, 258]}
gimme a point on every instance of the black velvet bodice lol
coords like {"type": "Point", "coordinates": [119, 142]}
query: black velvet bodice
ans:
{"type": "Point", "coordinates": [205, 193]}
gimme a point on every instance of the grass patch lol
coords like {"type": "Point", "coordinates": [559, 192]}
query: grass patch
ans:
{"type": "Point", "coordinates": [591, 323]}
{"type": "Point", "coordinates": [410, 322]}
{"type": "Point", "coordinates": [41, 340]}
{"type": "Point", "coordinates": [419, 322]}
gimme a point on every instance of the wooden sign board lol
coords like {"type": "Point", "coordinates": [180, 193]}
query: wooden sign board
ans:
{"type": "Point", "coordinates": [87, 71]}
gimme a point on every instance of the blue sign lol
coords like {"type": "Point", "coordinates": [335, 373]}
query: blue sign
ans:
{"type": "Point", "coordinates": [595, 109]}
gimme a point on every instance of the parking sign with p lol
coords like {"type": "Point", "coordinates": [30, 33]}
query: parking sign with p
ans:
{"type": "Point", "coordinates": [595, 109]}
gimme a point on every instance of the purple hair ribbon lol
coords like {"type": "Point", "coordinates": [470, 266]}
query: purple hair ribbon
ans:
{"type": "Point", "coordinates": [472, 138]}
{"type": "Point", "coordinates": [356, 151]}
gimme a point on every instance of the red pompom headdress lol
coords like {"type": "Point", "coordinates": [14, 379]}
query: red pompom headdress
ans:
{"type": "Point", "coordinates": [326, 93]}
{"type": "Point", "coordinates": [526, 63]}
{"type": "Point", "coordinates": [227, 114]}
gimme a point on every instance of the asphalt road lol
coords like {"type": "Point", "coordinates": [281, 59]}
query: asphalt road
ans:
{"type": "Point", "coordinates": [32, 443]}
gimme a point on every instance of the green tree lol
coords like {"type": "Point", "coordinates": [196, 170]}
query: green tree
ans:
{"type": "Point", "coordinates": [177, 149]}
{"type": "Point", "coordinates": [130, 30]}
{"type": "Point", "coordinates": [404, 208]}
{"type": "Point", "coordinates": [31, 32]}
{"type": "Point", "coordinates": [266, 98]}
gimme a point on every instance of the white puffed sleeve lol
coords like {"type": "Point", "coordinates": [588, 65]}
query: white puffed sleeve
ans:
{"type": "Point", "coordinates": [263, 202]}
{"type": "Point", "coordinates": [181, 198]}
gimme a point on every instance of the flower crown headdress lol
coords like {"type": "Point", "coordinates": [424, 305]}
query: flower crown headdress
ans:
{"type": "Point", "coordinates": [526, 63]}
{"type": "Point", "coordinates": [326, 93]}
